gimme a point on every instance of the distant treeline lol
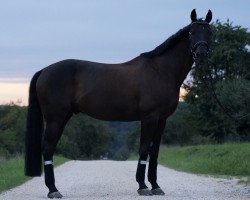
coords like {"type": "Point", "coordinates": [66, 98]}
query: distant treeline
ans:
{"type": "Point", "coordinates": [199, 119]}
{"type": "Point", "coordinates": [83, 137]}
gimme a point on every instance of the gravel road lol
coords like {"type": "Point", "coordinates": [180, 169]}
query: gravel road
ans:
{"type": "Point", "coordinates": [116, 180]}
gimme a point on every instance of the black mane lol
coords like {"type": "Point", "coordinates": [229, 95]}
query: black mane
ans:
{"type": "Point", "coordinates": [172, 40]}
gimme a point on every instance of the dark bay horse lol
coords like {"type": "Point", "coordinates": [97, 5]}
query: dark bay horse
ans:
{"type": "Point", "coordinates": [145, 88]}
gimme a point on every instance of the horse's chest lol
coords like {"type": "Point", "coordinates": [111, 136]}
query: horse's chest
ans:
{"type": "Point", "coordinates": [163, 102]}
{"type": "Point", "coordinates": [168, 107]}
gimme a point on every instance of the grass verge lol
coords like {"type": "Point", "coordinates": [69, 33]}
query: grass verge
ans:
{"type": "Point", "coordinates": [12, 171]}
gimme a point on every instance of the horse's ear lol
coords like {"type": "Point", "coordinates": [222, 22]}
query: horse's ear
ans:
{"type": "Point", "coordinates": [193, 15]}
{"type": "Point", "coordinates": [209, 16]}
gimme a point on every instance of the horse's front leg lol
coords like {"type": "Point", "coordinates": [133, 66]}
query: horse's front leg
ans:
{"type": "Point", "coordinates": [149, 126]}
{"type": "Point", "coordinates": [154, 151]}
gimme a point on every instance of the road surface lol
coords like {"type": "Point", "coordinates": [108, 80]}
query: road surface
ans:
{"type": "Point", "coordinates": [115, 180]}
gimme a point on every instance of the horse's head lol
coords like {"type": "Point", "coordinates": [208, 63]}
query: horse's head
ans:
{"type": "Point", "coordinates": [200, 37]}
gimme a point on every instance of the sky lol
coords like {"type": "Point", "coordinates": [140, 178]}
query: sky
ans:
{"type": "Point", "coordinates": [35, 34]}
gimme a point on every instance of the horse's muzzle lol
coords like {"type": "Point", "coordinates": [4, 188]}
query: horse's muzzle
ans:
{"type": "Point", "coordinates": [200, 55]}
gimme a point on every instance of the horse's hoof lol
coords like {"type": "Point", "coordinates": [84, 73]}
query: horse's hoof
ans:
{"type": "Point", "coordinates": [157, 191]}
{"type": "Point", "coordinates": [144, 192]}
{"type": "Point", "coordinates": [56, 195]}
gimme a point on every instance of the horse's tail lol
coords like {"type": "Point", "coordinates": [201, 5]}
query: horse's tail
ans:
{"type": "Point", "coordinates": [34, 129]}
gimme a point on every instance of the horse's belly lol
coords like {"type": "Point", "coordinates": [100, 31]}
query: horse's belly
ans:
{"type": "Point", "coordinates": [109, 109]}
{"type": "Point", "coordinates": [112, 115]}
{"type": "Point", "coordinates": [125, 117]}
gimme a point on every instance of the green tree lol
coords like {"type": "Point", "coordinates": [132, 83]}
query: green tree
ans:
{"type": "Point", "coordinates": [12, 128]}
{"type": "Point", "coordinates": [180, 128]}
{"type": "Point", "coordinates": [234, 94]}
{"type": "Point", "coordinates": [228, 75]}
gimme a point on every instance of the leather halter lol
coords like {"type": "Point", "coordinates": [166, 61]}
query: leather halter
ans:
{"type": "Point", "coordinates": [199, 43]}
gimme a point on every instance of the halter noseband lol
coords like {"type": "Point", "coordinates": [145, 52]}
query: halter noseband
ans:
{"type": "Point", "coordinates": [200, 43]}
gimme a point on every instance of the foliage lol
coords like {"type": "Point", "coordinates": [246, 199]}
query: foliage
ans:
{"type": "Point", "coordinates": [234, 94]}
{"type": "Point", "coordinates": [85, 138]}
{"type": "Point", "coordinates": [119, 149]}
{"type": "Point", "coordinates": [12, 126]}
{"type": "Point", "coordinates": [127, 140]}
{"type": "Point", "coordinates": [133, 138]}
{"type": "Point", "coordinates": [179, 130]}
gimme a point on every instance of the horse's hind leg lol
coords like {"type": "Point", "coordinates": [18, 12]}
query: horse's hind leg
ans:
{"type": "Point", "coordinates": [154, 150]}
{"type": "Point", "coordinates": [53, 132]}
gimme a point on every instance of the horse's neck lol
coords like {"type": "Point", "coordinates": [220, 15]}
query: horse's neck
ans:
{"type": "Point", "coordinates": [176, 62]}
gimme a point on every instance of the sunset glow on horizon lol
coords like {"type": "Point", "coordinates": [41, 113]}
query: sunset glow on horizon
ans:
{"type": "Point", "coordinates": [14, 92]}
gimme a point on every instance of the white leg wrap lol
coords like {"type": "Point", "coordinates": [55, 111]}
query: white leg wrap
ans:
{"type": "Point", "coordinates": [143, 162]}
{"type": "Point", "coordinates": [48, 162]}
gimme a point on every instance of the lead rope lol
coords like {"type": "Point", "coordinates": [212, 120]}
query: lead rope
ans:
{"type": "Point", "coordinates": [226, 110]}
